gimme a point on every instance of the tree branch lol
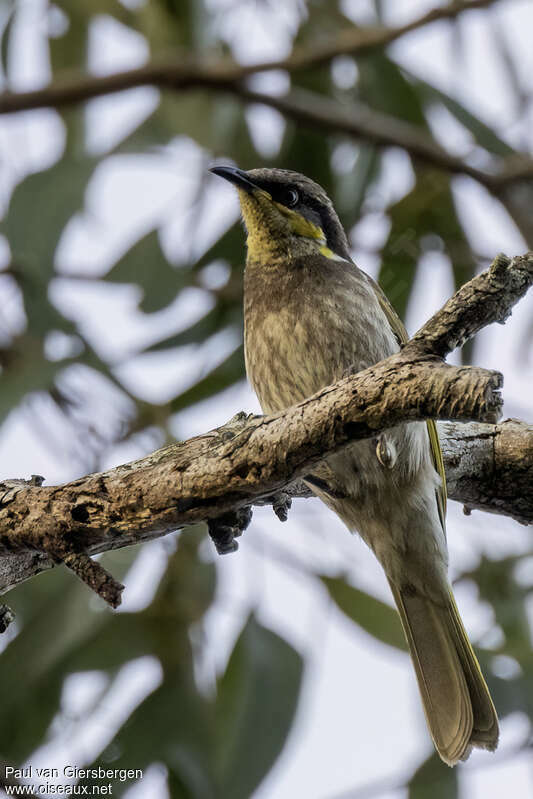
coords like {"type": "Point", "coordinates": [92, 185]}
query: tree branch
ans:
{"type": "Point", "coordinates": [177, 74]}
{"type": "Point", "coordinates": [305, 107]}
{"type": "Point", "coordinates": [490, 467]}
{"type": "Point", "coordinates": [362, 122]}
{"type": "Point", "coordinates": [215, 476]}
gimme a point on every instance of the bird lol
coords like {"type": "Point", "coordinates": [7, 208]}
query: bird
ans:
{"type": "Point", "coordinates": [311, 316]}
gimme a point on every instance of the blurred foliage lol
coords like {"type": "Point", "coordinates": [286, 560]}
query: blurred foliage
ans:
{"type": "Point", "coordinates": [219, 737]}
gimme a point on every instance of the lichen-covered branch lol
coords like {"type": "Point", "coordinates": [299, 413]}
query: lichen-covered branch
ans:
{"type": "Point", "coordinates": [213, 476]}
{"type": "Point", "coordinates": [489, 297]}
{"type": "Point", "coordinates": [490, 467]}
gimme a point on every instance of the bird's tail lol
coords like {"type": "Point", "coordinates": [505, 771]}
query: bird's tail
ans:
{"type": "Point", "coordinates": [458, 707]}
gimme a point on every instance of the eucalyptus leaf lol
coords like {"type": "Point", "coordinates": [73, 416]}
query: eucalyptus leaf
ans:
{"type": "Point", "coordinates": [215, 123]}
{"type": "Point", "coordinates": [483, 134]}
{"type": "Point", "coordinates": [40, 207]}
{"type": "Point", "coordinates": [9, 19]}
{"type": "Point", "coordinates": [146, 265]}
{"type": "Point", "coordinates": [26, 373]}
{"type": "Point", "coordinates": [255, 707]}
{"type": "Point", "coordinates": [373, 616]}
{"type": "Point", "coordinates": [434, 778]}
{"type": "Point", "coordinates": [221, 317]}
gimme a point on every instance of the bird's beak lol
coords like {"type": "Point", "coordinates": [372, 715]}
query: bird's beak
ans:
{"type": "Point", "coordinates": [236, 176]}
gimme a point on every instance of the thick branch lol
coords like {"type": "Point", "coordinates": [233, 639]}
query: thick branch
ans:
{"type": "Point", "coordinates": [214, 475]}
{"type": "Point", "coordinates": [490, 467]}
{"type": "Point", "coordinates": [207, 477]}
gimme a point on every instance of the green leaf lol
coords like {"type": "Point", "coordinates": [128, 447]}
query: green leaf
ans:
{"type": "Point", "coordinates": [372, 615]}
{"type": "Point", "coordinates": [58, 621]}
{"type": "Point", "coordinates": [435, 779]}
{"type": "Point", "coordinates": [32, 667]}
{"type": "Point", "coordinates": [384, 86]}
{"type": "Point", "coordinates": [174, 25]}
{"type": "Point", "coordinates": [25, 373]}
{"type": "Point", "coordinates": [482, 133]}
{"type": "Point", "coordinates": [308, 152]}
{"type": "Point", "coordinates": [179, 718]}
{"type": "Point", "coordinates": [255, 708]}
{"type": "Point", "coordinates": [495, 579]}
{"type": "Point", "coordinates": [229, 247]}
{"type": "Point", "coordinates": [401, 251]}
{"type": "Point", "coordinates": [217, 124]}
{"type": "Point", "coordinates": [171, 726]}
{"type": "Point", "coordinates": [9, 18]}
{"type": "Point", "coordinates": [146, 265]}
{"type": "Point", "coordinates": [40, 207]}
{"type": "Point", "coordinates": [351, 188]}
{"type": "Point", "coordinates": [427, 210]}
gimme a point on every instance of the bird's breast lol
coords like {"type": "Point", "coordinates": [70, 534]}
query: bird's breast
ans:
{"type": "Point", "coordinates": [302, 331]}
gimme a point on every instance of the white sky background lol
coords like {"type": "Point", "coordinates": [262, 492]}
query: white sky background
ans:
{"type": "Point", "coordinates": [360, 719]}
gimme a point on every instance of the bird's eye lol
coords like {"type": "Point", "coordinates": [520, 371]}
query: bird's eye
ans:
{"type": "Point", "coordinates": [291, 198]}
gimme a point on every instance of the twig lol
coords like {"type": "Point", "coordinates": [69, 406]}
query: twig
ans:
{"type": "Point", "coordinates": [95, 577]}
{"type": "Point", "coordinates": [362, 122]}
{"type": "Point", "coordinates": [489, 296]}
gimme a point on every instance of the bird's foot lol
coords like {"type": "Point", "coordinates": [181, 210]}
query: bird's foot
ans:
{"type": "Point", "coordinates": [226, 528]}
{"type": "Point", "coordinates": [281, 504]}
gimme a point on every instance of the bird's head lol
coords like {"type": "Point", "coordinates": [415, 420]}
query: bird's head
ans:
{"type": "Point", "coordinates": [285, 213]}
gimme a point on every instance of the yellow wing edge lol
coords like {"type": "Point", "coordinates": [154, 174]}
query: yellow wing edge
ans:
{"type": "Point", "coordinates": [438, 462]}
{"type": "Point", "coordinates": [436, 452]}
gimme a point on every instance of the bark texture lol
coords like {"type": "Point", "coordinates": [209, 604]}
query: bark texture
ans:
{"type": "Point", "coordinates": [252, 459]}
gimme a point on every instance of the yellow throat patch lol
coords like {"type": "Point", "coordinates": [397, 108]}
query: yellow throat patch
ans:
{"type": "Point", "coordinates": [270, 224]}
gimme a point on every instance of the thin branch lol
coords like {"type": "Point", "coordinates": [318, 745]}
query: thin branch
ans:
{"type": "Point", "coordinates": [305, 107]}
{"type": "Point", "coordinates": [308, 108]}
{"type": "Point", "coordinates": [489, 296]}
{"type": "Point", "coordinates": [215, 476]}
{"type": "Point", "coordinates": [362, 122]}
{"type": "Point", "coordinates": [96, 577]}
{"type": "Point", "coordinates": [177, 74]}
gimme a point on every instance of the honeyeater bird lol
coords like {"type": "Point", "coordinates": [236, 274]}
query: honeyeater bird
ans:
{"type": "Point", "coordinates": [310, 317]}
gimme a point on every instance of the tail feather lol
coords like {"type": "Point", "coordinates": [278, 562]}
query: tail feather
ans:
{"type": "Point", "coordinates": [457, 704]}
{"type": "Point", "coordinates": [485, 728]}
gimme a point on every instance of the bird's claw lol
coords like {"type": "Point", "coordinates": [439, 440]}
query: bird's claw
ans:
{"type": "Point", "coordinates": [281, 505]}
{"type": "Point", "coordinates": [226, 528]}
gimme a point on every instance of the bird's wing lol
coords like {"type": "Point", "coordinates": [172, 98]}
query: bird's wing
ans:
{"type": "Point", "coordinates": [401, 335]}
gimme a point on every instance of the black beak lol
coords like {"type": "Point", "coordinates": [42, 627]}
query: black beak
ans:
{"type": "Point", "coordinates": [236, 176]}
